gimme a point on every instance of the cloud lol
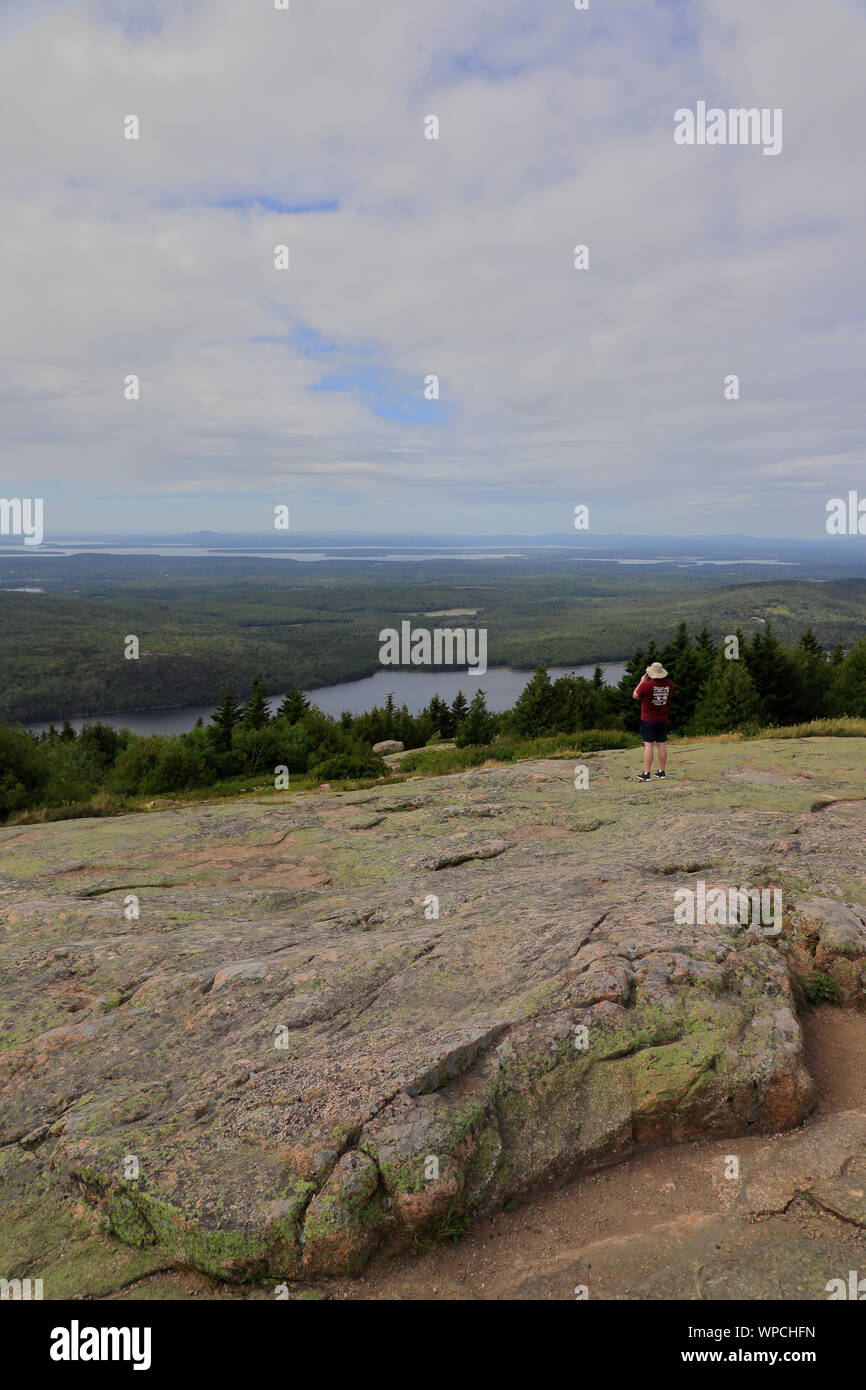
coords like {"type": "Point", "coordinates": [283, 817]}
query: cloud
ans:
{"type": "Point", "coordinates": [410, 257]}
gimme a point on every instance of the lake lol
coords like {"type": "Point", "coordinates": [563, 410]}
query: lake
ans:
{"type": "Point", "coordinates": [500, 684]}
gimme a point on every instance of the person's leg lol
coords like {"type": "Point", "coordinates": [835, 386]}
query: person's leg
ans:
{"type": "Point", "coordinates": [647, 756]}
{"type": "Point", "coordinates": [663, 756]}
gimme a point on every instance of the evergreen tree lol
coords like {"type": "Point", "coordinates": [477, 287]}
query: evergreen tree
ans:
{"type": "Point", "coordinates": [575, 703]}
{"type": "Point", "coordinates": [816, 675]}
{"type": "Point", "coordinates": [255, 713]}
{"type": "Point", "coordinates": [848, 695]}
{"type": "Point", "coordinates": [533, 710]}
{"type": "Point", "coordinates": [688, 668]}
{"type": "Point", "coordinates": [459, 710]}
{"type": "Point", "coordinates": [705, 653]}
{"type": "Point", "coordinates": [439, 712]}
{"type": "Point", "coordinates": [293, 706]}
{"type": "Point", "coordinates": [631, 676]}
{"type": "Point", "coordinates": [67, 733]}
{"type": "Point", "coordinates": [479, 725]}
{"type": "Point", "coordinates": [675, 650]}
{"type": "Point", "coordinates": [226, 715]}
{"type": "Point", "coordinates": [810, 645]}
{"type": "Point", "coordinates": [598, 678]}
{"type": "Point", "coordinates": [729, 701]}
{"type": "Point", "coordinates": [688, 671]}
{"type": "Point", "coordinates": [777, 677]}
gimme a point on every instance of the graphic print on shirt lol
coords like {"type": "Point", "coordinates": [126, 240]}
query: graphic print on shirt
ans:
{"type": "Point", "coordinates": [660, 696]}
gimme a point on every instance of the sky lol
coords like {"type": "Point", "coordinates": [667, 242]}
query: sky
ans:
{"type": "Point", "coordinates": [411, 257]}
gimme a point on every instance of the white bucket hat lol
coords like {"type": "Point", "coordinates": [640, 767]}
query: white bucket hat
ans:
{"type": "Point", "coordinates": [656, 672]}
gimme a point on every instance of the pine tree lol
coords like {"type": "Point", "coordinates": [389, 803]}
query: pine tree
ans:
{"type": "Point", "coordinates": [632, 676]}
{"type": "Point", "coordinates": [688, 670]}
{"type": "Point", "coordinates": [439, 711]}
{"type": "Point", "coordinates": [459, 709]}
{"type": "Point", "coordinates": [479, 725]}
{"type": "Point", "coordinates": [255, 713]}
{"type": "Point", "coordinates": [777, 677]}
{"type": "Point", "coordinates": [226, 715]}
{"type": "Point", "coordinates": [729, 701]}
{"type": "Point", "coordinates": [816, 675]}
{"type": "Point", "coordinates": [293, 706]}
{"type": "Point", "coordinates": [848, 694]}
{"type": "Point", "coordinates": [533, 710]}
{"type": "Point", "coordinates": [810, 645]}
{"type": "Point", "coordinates": [675, 650]}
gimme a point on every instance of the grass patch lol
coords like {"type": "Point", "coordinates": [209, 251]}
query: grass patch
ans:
{"type": "Point", "coordinates": [819, 728]}
{"type": "Point", "coordinates": [110, 804]}
{"type": "Point", "coordinates": [445, 1229]}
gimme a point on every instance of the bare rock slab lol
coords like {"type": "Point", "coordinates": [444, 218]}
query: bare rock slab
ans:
{"type": "Point", "coordinates": [327, 1033]}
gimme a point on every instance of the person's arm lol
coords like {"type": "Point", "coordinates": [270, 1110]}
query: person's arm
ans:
{"type": "Point", "coordinates": [638, 690]}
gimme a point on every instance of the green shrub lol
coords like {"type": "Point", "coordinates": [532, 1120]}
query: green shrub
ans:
{"type": "Point", "coordinates": [22, 770]}
{"type": "Point", "coordinates": [821, 989]}
{"type": "Point", "coordinates": [358, 764]}
{"type": "Point", "coordinates": [597, 740]}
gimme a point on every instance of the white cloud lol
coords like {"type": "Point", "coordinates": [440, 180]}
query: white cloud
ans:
{"type": "Point", "coordinates": [451, 257]}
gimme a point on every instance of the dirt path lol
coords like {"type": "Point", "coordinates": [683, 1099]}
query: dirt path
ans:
{"type": "Point", "coordinates": [667, 1223]}
{"type": "Point", "coordinates": [667, 1193]}
{"type": "Point", "coordinates": [836, 1056]}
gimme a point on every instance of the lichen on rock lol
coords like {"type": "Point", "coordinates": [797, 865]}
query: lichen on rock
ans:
{"type": "Point", "coordinates": [308, 1066]}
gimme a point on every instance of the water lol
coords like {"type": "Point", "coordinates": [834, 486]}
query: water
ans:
{"type": "Point", "coordinates": [366, 555]}
{"type": "Point", "coordinates": [63, 551]}
{"type": "Point", "coordinates": [500, 684]}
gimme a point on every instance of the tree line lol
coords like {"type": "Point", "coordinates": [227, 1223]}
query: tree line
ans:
{"type": "Point", "coordinates": [767, 684]}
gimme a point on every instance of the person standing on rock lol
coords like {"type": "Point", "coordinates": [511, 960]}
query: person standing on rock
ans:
{"type": "Point", "coordinates": [654, 692]}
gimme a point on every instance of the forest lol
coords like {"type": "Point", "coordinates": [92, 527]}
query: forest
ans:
{"type": "Point", "coordinates": [205, 623]}
{"type": "Point", "coordinates": [101, 770]}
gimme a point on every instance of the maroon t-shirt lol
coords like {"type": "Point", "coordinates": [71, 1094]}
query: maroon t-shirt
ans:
{"type": "Point", "coordinates": [655, 698]}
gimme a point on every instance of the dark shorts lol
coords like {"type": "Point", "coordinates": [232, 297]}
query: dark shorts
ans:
{"type": "Point", "coordinates": [654, 731]}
